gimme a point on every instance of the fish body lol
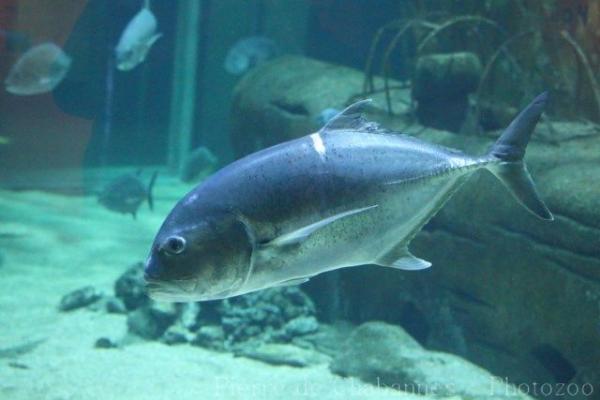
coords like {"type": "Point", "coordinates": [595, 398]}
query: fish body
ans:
{"type": "Point", "coordinates": [126, 194]}
{"type": "Point", "coordinates": [136, 40]}
{"type": "Point", "coordinates": [39, 70]}
{"type": "Point", "coordinates": [350, 194]}
{"type": "Point", "coordinates": [249, 52]}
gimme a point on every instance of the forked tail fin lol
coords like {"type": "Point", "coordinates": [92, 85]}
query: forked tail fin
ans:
{"type": "Point", "coordinates": [508, 152]}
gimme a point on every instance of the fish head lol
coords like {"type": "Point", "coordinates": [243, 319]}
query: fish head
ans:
{"type": "Point", "coordinates": [135, 42]}
{"type": "Point", "coordinates": [127, 57]}
{"type": "Point", "coordinates": [207, 260]}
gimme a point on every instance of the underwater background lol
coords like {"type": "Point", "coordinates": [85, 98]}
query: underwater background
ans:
{"type": "Point", "coordinates": [112, 111]}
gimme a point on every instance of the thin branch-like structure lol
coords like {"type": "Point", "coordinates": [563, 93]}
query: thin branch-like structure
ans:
{"type": "Point", "coordinates": [368, 85]}
{"type": "Point", "coordinates": [386, 59]}
{"type": "Point", "coordinates": [502, 49]}
{"type": "Point", "coordinates": [455, 21]}
{"type": "Point", "coordinates": [586, 65]}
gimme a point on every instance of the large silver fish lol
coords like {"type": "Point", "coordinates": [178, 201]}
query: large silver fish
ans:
{"type": "Point", "coordinates": [350, 194]}
{"type": "Point", "coordinates": [137, 39]}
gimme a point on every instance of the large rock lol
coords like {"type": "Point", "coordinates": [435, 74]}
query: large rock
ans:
{"type": "Point", "coordinates": [130, 287]}
{"type": "Point", "coordinates": [516, 295]}
{"type": "Point", "coordinates": [443, 82]}
{"type": "Point", "coordinates": [272, 103]}
{"type": "Point", "coordinates": [384, 354]}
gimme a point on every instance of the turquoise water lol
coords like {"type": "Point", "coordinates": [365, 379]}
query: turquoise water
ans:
{"type": "Point", "coordinates": [112, 112]}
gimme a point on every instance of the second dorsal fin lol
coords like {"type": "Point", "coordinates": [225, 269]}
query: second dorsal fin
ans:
{"type": "Point", "coordinates": [351, 118]}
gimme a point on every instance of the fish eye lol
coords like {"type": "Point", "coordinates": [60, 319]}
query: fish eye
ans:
{"type": "Point", "coordinates": [175, 245]}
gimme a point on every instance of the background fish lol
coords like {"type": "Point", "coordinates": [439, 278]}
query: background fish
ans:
{"type": "Point", "coordinates": [199, 162]}
{"type": "Point", "coordinates": [126, 193]}
{"type": "Point", "coordinates": [137, 39]}
{"type": "Point", "coordinates": [348, 195]}
{"type": "Point", "coordinates": [248, 53]}
{"type": "Point", "coordinates": [39, 70]}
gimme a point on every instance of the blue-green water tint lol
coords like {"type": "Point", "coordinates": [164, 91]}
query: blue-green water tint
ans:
{"type": "Point", "coordinates": [508, 296]}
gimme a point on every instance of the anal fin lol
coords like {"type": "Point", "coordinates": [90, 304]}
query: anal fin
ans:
{"type": "Point", "coordinates": [402, 259]}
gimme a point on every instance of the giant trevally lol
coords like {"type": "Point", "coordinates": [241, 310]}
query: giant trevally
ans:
{"type": "Point", "coordinates": [137, 38]}
{"type": "Point", "coordinates": [350, 194]}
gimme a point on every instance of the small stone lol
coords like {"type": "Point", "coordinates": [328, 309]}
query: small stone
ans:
{"type": "Point", "coordinates": [447, 75]}
{"type": "Point", "coordinates": [301, 326]}
{"type": "Point", "coordinates": [152, 321]}
{"type": "Point", "coordinates": [79, 298]}
{"type": "Point", "coordinates": [189, 315]}
{"type": "Point", "coordinates": [130, 287]}
{"type": "Point", "coordinates": [114, 305]}
{"type": "Point", "coordinates": [283, 354]}
{"type": "Point", "coordinates": [105, 343]}
{"type": "Point", "coordinates": [210, 336]}
{"type": "Point", "coordinates": [177, 334]}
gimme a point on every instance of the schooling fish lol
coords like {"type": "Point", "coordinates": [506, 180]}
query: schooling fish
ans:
{"type": "Point", "coordinates": [249, 52]}
{"type": "Point", "coordinates": [350, 194]}
{"type": "Point", "coordinates": [126, 193]}
{"type": "Point", "coordinates": [39, 70]}
{"type": "Point", "coordinates": [137, 39]}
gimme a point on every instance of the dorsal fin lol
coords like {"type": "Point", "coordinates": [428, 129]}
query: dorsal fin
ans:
{"type": "Point", "coordinates": [351, 118]}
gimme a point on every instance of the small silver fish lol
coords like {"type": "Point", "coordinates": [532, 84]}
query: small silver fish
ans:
{"type": "Point", "coordinates": [39, 70]}
{"type": "Point", "coordinates": [137, 39]}
{"type": "Point", "coordinates": [249, 52]}
{"type": "Point", "coordinates": [350, 194]}
{"type": "Point", "coordinates": [126, 193]}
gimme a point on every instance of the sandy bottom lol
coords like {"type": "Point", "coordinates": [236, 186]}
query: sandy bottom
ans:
{"type": "Point", "coordinates": [53, 244]}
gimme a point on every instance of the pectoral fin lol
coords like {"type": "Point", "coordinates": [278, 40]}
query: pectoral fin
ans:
{"type": "Point", "coordinates": [153, 39]}
{"type": "Point", "coordinates": [402, 259]}
{"type": "Point", "coordinates": [300, 235]}
{"type": "Point", "coordinates": [292, 282]}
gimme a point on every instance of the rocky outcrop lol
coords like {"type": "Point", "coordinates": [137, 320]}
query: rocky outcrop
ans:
{"type": "Point", "coordinates": [280, 315]}
{"type": "Point", "coordinates": [516, 295]}
{"type": "Point", "coordinates": [385, 355]}
{"type": "Point", "coordinates": [443, 82]}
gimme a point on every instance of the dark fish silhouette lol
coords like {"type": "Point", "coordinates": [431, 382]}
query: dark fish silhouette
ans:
{"type": "Point", "coordinates": [126, 193]}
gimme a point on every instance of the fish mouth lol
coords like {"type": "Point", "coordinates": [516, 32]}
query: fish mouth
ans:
{"type": "Point", "coordinates": [181, 288]}
{"type": "Point", "coordinates": [180, 291]}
